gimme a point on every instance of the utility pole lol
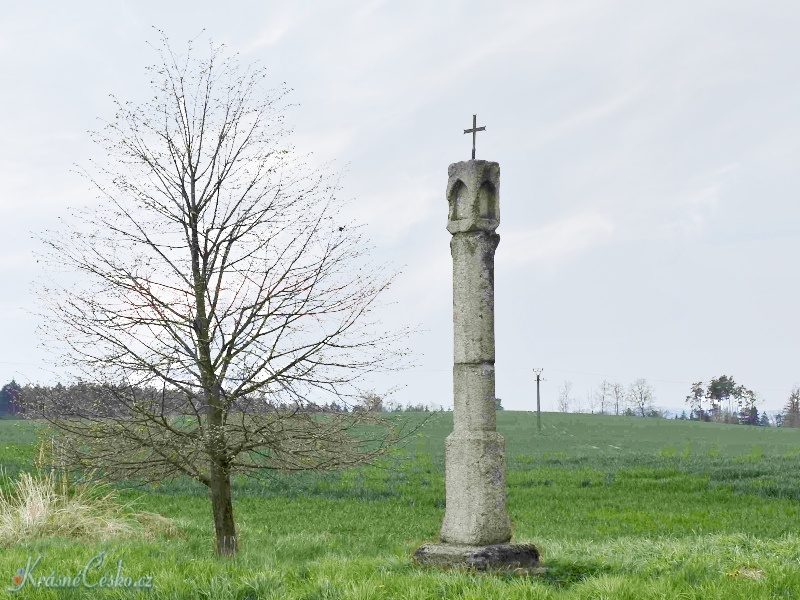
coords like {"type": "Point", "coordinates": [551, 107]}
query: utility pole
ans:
{"type": "Point", "coordinates": [538, 400]}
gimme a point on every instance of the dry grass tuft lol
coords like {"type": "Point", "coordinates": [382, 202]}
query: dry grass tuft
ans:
{"type": "Point", "coordinates": [44, 505]}
{"type": "Point", "coordinates": [746, 572]}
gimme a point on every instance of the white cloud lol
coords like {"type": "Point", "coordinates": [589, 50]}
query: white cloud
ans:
{"type": "Point", "coordinates": [600, 110]}
{"type": "Point", "coordinates": [280, 23]}
{"type": "Point", "coordinates": [548, 245]}
{"type": "Point", "coordinates": [695, 209]}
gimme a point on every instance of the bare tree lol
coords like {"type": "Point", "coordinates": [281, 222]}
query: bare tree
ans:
{"type": "Point", "coordinates": [641, 396]}
{"type": "Point", "coordinates": [602, 395]}
{"type": "Point", "coordinates": [564, 400]}
{"type": "Point", "coordinates": [618, 394]}
{"type": "Point", "coordinates": [216, 274]}
{"type": "Point", "coordinates": [576, 406]}
{"type": "Point", "coordinates": [591, 400]}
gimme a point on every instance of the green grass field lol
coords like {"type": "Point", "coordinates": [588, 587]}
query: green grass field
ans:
{"type": "Point", "coordinates": [620, 507]}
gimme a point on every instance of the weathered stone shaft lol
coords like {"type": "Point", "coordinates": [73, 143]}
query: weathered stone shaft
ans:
{"type": "Point", "coordinates": [475, 488]}
{"type": "Point", "coordinates": [473, 328]}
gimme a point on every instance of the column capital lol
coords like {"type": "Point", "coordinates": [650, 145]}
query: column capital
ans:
{"type": "Point", "coordinates": [473, 196]}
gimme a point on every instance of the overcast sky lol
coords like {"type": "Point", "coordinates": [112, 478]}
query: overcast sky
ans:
{"type": "Point", "coordinates": [649, 154]}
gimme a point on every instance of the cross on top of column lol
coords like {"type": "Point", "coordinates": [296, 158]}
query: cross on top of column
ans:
{"type": "Point", "coordinates": [473, 131]}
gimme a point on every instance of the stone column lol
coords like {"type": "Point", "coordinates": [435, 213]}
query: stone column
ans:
{"type": "Point", "coordinates": [476, 528]}
{"type": "Point", "coordinates": [474, 453]}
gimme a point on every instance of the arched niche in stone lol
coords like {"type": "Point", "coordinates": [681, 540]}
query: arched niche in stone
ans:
{"type": "Point", "coordinates": [487, 201]}
{"type": "Point", "coordinates": [459, 202]}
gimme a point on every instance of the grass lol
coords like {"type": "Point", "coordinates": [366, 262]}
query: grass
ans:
{"type": "Point", "coordinates": [48, 504]}
{"type": "Point", "coordinates": [620, 508]}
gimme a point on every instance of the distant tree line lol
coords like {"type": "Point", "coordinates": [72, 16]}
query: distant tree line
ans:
{"type": "Point", "coordinates": [84, 398]}
{"type": "Point", "coordinates": [10, 400]}
{"type": "Point", "coordinates": [81, 398]}
{"type": "Point", "coordinates": [636, 399]}
{"type": "Point", "coordinates": [395, 407]}
{"type": "Point", "coordinates": [722, 400]}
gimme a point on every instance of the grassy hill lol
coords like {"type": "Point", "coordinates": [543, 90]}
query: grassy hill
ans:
{"type": "Point", "coordinates": [620, 507]}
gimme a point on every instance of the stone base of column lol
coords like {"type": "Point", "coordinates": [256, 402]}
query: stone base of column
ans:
{"type": "Point", "coordinates": [507, 557]}
{"type": "Point", "coordinates": [475, 489]}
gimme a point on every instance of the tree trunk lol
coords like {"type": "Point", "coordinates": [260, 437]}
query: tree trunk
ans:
{"type": "Point", "coordinates": [222, 506]}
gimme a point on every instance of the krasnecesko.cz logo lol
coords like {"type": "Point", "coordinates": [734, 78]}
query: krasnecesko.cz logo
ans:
{"type": "Point", "coordinates": [87, 577]}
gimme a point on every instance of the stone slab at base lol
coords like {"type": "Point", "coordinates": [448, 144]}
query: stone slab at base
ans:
{"type": "Point", "coordinates": [494, 556]}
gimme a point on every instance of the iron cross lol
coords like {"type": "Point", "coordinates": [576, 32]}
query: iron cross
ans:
{"type": "Point", "coordinates": [473, 131]}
